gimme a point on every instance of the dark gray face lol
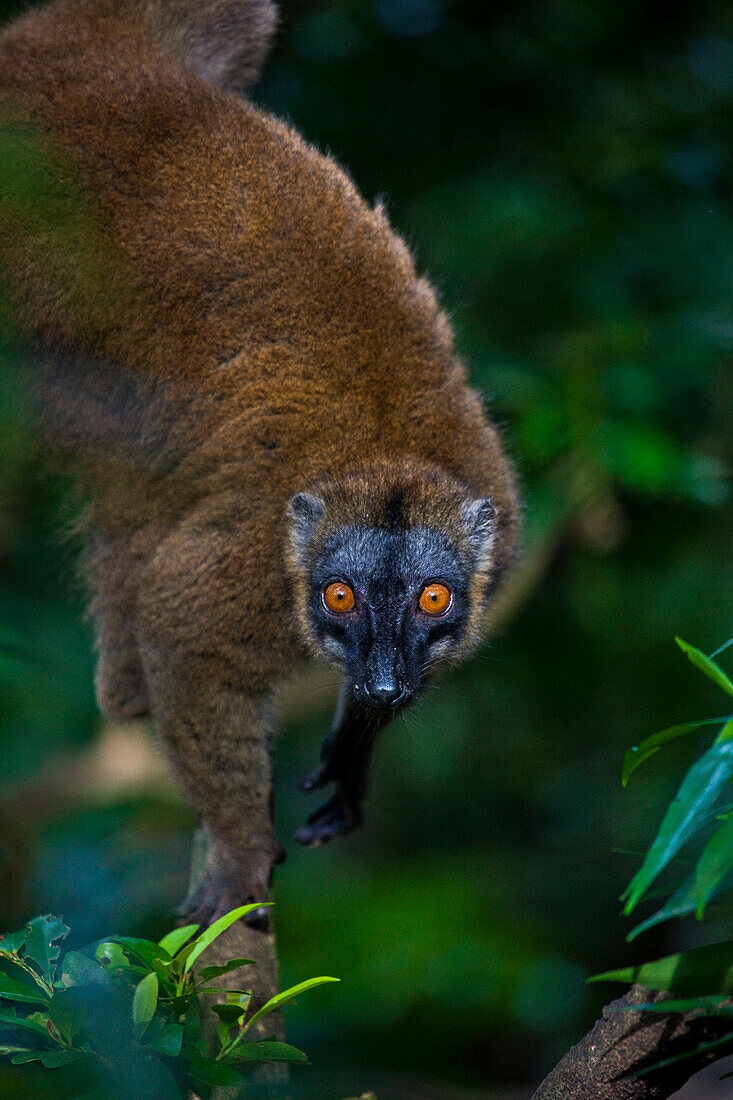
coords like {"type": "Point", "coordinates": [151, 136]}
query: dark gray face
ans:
{"type": "Point", "coordinates": [400, 619]}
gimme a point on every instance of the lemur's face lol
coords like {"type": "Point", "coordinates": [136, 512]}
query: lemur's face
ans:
{"type": "Point", "coordinates": [386, 604]}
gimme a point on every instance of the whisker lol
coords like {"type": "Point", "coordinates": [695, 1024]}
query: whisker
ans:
{"type": "Point", "coordinates": [329, 687]}
{"type": "Point", "coordinates": [411, 729]}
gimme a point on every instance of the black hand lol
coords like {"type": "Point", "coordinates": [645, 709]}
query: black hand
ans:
{"type": "Point", "coordinates": [345, 758]}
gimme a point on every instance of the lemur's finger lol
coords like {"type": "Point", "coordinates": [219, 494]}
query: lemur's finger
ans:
{"type": "Point", "coordinates": [322, 775]}
{"type": "Point", "coordinates": [328, 821]}
{"type": "Point", "coordinates": [313, 781]}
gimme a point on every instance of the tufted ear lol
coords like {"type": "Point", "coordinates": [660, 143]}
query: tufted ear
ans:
{"type": "Point", "coordinates": [305, 511]}
{"type": "Point", "coordinates": [479, 518]}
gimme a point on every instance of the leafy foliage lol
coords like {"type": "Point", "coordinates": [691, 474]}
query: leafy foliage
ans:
{"type": "Point", "coordinates": [691, 811]}
{"type": "Point", "coordinates": [703, 972]}
{"type": "Point", "coordinates": [701, 979]}
{"type": "Point", "coordinates": [126, 1012]}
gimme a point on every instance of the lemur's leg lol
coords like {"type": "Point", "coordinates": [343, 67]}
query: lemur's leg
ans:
{"type": "Point", "coordinates": [345, 758]}
{"type": "Point", "coordinates": [111, 566]}
{"type": "Point", "coordinates": [210, 701]}
{"type": "Point", "coordinates": [218, 739]}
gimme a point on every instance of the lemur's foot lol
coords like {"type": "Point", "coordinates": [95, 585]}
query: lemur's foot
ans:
{"type": "Point", "coordinates": [334, 818]}
{"type": "Point", "coordinates": [217, 895]}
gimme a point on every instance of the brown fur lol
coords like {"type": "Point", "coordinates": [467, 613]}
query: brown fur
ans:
{"type": "Point", "coordinates": [220, 322]}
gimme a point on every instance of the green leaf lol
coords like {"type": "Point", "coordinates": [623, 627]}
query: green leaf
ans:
{"type": "Point", "coordinates": [41, 945]}
{"type": "Point", "coordinates": [67, 1013]}
{"type": "Point", "coordinates": [703, 971]}
{"type": "Point", "coordinates": [24, 972]}
{"type": "Point", "coordinates": [707, 665]}
{"type": "Point", "coordinates": [26, 1056]}
{"type": "Point", "coordinates": [215, 930]}
{"type": "Point", "coordinates": [13, 990]}
{"type": "Point", "coordinates": [51, 1059]}
{"type": "Point", "coordinates": [268, 1051]}
{"type": "Point", "coordinates": [698, 791]}
{"type": "Point", "coordinates": [146, 951]}
{"type": "Point", "coordinates": [176, 939]}
{"type": "Point", "coordinates": [192, 1028]}
{"type": "Point", "coordinates": [112, 956]}
{"type": "Point", "coordinates": [211, 1071]}
{"type": "Point", "coordinates": [229, 1014]}
{"type": "Point", "coordinates": [175, 1007]}
{"type": "Point", "coordinates": [240, 997]}
{"type": "Point", "coordinates": [56, 1058]}
{"type": "Point", "coordinates": [208, 972]}
{"type": "Point", "coordinates": [164, 967]}
{"type": "Point", "coordinates": [144, 1002]}
{"type": "Point", "coordinates": [699, 1049]}
{"type": "Point", "coordinates": [713, 866]}
{"type": "Point", "coordinates": [167, 1039]}
{"type": "Point", "coordinates": [681, 904]}
{"type": "Point", "coordinates": [703, 1006]}
{"type": "Point", "coordinates": [287, 995]}
{"type": "Point", "coordinates": [27, 1023]}
{"type": "Point", "coordinates": [639, 753]}
{"type": "Point", "coordinates": [178, 963]}
{"type": "Point", "coordinates": [11, 942]}
{"type": "Point", "coordinates": [79, 969]}
{"type": "Point", "coordinates": [166, 978]}
{"type": "Point", "coordinates": [222, 1031]}
{"type": "Point", "coordinates": [678, 905]}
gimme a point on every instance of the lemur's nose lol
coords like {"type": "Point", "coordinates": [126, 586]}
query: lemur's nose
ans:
{"type": "Point", "coordinates": [385, 693]}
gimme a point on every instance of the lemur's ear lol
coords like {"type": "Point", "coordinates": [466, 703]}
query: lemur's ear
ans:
{"type": "Point", "coordinates": [305, 511]}
{"type": "Point", "coordinates": [479, 517]}
{"type": "Point", "coordinates": [224, 41]}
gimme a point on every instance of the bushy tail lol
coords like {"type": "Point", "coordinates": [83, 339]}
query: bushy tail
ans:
{"type": "Point", "coordinates": [224, 41]}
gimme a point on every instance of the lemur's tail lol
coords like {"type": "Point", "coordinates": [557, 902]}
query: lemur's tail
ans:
{"type": "Point", "coordinates": [224, 41]}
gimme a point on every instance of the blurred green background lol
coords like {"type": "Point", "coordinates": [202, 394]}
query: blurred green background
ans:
{"type": "Point", "coordinates": [562, 169]}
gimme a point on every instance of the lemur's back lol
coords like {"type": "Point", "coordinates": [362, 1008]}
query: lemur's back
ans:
{"type": "Point", "coordinates": [223, 256]}
{"type": "Point", "coordinates": [205, 201]}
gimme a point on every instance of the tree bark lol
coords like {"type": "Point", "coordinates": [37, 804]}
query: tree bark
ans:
{"type": "Point", "coordinates": [623, 1042]}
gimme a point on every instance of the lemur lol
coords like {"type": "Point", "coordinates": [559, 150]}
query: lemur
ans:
{"type": "Point", "coordinates": [277, 444]}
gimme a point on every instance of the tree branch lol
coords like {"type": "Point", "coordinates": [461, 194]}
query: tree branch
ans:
{"type": "Point", "coordinates": [623, 1042]}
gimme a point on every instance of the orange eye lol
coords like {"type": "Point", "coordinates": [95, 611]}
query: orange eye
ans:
{"type": "Point", "coordinates": [338, 597]}
{"type": "Point", "coordinates": [435, 599]}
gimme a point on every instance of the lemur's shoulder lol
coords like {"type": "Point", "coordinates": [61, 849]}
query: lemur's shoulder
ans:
{"type": "Point", "coordinates": [224, 41]}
